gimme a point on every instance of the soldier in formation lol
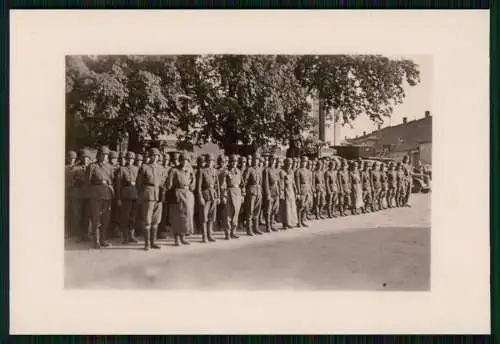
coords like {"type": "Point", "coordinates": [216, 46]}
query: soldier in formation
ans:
{"type": "Point", "coordinates": [143, 195]}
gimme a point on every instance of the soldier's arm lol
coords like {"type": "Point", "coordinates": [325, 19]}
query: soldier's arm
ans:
{"type": "Point", "coordinates": [198, 182]}
{"type": "Point", "coordinates": [88, 174]}
{"type": "Point", "coordinates": [119, 184]}
{"type": "Point", "coordinates": [327, 182]}
{"type": "Point", "coordinates": [265, 182]}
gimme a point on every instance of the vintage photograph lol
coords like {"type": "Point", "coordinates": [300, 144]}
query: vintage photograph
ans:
{"type": "Point", "coordinates": [248, 172]}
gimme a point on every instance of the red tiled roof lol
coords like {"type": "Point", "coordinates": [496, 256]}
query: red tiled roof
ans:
{"type": "Point", "coordinates": [402, 137]}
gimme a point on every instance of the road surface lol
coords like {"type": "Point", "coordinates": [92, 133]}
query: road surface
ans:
{"type": "Point", "coordinates": [387, 250]}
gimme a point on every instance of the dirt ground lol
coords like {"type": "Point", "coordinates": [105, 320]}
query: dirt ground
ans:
{"type": "Point", "coordinates": [387, 250]}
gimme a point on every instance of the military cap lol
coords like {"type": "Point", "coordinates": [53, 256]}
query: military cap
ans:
{"type": "Point", "coordinates": [304, 158]}
{"type": "Point", "coordinates": [200, 158]}
{"type": "Point", "coordinates": [272, 157]}
{"type": "Point", "coordinates": [84, 153]}
{"type": "Point", "coordinates": [103, 150]}
{"type": "Point", "coordinates": [243, 159]}
{"type": "Point", "coordinates": [154, 151]}
{"type": "Point", "coordinates": [209, 157]}
{"type": "Point", "coordinates": [221, 158]}
{"type": "Point", "coordinates": [234, 157]}
{"type": "Point", "coordinates": [139, 157]}
{"type": "Point", "coordinates": [121, 155]}
{"type": "Point", "coordinates": [166, 156]}
{"type": "Point", "coordinates": [72, 154]}
{"type": "Point", "coordinates": [130, 155]}
{"type": "Point", "coordinates": [113, 155]}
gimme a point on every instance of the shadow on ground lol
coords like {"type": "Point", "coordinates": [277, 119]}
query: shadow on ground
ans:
{"type": "Point", "coordinates": [384, 258]}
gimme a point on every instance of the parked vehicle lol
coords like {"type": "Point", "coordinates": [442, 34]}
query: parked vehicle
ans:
{"type": "Point", "coordinates": [422, 177]}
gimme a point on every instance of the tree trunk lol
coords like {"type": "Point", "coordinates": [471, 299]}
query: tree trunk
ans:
{"type": "Point", "coordinates": [134, 142]}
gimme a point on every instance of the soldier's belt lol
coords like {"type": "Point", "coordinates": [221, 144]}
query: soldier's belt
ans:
{"type": "Point", "coordinates": [183, 187]}
{"type": "Point", "coordinates": [130, 184]}
{"type": "Point", "coordinates": [102, 182]}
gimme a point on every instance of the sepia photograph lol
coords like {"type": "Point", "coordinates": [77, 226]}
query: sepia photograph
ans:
{"type": "Point", "coordinates": [249, 172]}
{"type": "Point", "coordinates": [252, 172]}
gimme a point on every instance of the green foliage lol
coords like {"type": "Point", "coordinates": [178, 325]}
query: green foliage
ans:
{"type": "Point", "coordinates": [227, 99]}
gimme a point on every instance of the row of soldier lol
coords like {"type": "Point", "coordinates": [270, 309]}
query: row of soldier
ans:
{"type": "Point", "coordinates": [151, 193]}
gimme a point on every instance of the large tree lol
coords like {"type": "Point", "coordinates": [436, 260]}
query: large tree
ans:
{"type": "Point", "coordinates": [228, 99]}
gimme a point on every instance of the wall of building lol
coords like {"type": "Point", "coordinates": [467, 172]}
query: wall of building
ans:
{"type": "Point", "coordinates": [426, 153]}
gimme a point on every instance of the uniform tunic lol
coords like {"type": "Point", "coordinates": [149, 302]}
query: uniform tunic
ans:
{"type": "Point", "coordinates": [332, 187]}
{"type": "Point", "coordinates": [126, 192]}
{"type": "Point", "coordinates": [234, 197]}
{"type": "Point", "coordinates": [208, 193]}
{"type": "Point", "coordinates": [182, 183]}
{"type": "Point", "coordinates": [100, 179]}
{"type": "Point", "coordinates": [252, 184]}
{"type": "Point", "coordinates": [270, 191]}
{"type": "Point", "coordinates": [366, 182]}
{"type": "Point", "coordinates": [319, 187]}
{"type": "Point", "coordinates": [357, 191]}
{"type": "Point", "coordinates": [303, 185]}
{"type": "Point", "coordinates": [345, 188]}
{"type": "Point", "coordinates": [150, 179]}
{"type": "Point", "coordinates": [288, 205]}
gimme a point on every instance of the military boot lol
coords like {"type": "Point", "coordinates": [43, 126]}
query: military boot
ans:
{"type": "Point", "coordinates": [210, 227]}
{"type": "Point", "coordinates": [131, 237]}
{"type": "Point", "coordinates": [154, 232]}
{"type": "Point", "coordinates": [183, 240]}
{"type": "Point", "coordinates": [204, 233]}
{"type": "Point", "coordinates": [147, 240]}
{"type": "Point", "coordinates": [176, 240]}
{"type": "Point", "coordinates": [249, 228]}
{"type": "Point", "coordinates": [256, 229]}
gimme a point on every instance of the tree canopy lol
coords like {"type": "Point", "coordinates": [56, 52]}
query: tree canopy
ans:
{"type": "Point", "coordinates": [227, 99]}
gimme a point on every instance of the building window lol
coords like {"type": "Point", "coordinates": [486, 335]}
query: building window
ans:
{"type": "Point", "coordinates": [387, 148]}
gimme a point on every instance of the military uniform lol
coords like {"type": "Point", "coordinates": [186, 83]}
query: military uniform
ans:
{"type": "Point", "coordinates": [100, 178]}
{"type": "Point", "coordinates": [252, 183]}
{"type": "Point", "coordinates": [270, 193]}
{"type": "Point", "coordinates": [366, 182]}
{"type": "Point", "coordinates": [126, 195]}
{"type": "Point", "coordinates": [384, 191]}
{"type": "Point", "coordinates": [401, 181]}
{"type": "Point", "coordinates": [79, 194]}
{"type": "Point", "coordinates": [332, 189]}
{"type": "Point", "coordinates": [69, 227]}
{"type": "Point", "coordinates": [150, 179]}
{"type": "Point", "coordinates": [303, 184]}
{"type": "Point", "coordinates": [288, 199]}
{"type": "Point", "coordinates": [164, 223]}
{"type": "Point", "coordinates": [233, 181]}
{"type": "Point", "coordinates": [319, 191]}
{"type": "Point", "coordinates": [181, 182]}
{"type": "Point", "coordinates": [345, 190]}
{"type": "Point", "coordinates": [208, 194]}
{"type": "Point", "coordinates": [376, 181]}
{"type": "Point", "coordinates": [221, 176]}
{"type": "Point", "coordinates": [392, 186]}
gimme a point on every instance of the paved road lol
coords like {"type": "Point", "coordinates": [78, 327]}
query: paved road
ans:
{"type": "Point", "coordinates": [388, 250]}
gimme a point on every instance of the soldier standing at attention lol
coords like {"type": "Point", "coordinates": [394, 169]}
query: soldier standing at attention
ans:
{"type": "Point", "coordinates": [80, 197]}
{"type": "Point", "coordinates": [332, 188]}
{"type": "Point", "coordinates": [302, 183]}
{"type": "Point", "coordinates": [207, 192]}
{"type": "Point", "coordinates": [68, 176]}
{"type": "Point", "coordinates": [356, 187]}
{"type": "Point", "coordinates": [366, 182]}
{"type": "Point", "coordinates": [150, 178]}
{"type": "Point", "coordinates": [162, 228]}
{"type": "Point", "coordinates": [100, 177]}
{"type": "Point", "coordinates": [345, 188]}
{"type": "Point", "coordinates": [384, 191]}
{"type": "Point", "coordinates": [122, 160]}
{"type": "Point", "coordinates": [243, 166]}
{"type": "Point", "coordinates": [409, 180]}
{"type": "Point", "coordinates": [252, 184]}
{"type": "Point", "coordinates": [182, 183]}
{"type": "Point", "coordinates": [288, 198]}
{"type": "Point", "coordinates": [400, 185]}
{"type": "Point", "coordinates": [377, 186]}
{"type": "Point", "coordinates": [319, 190]}
{"type": "Point", "coordinates": [234, 197]}
{"type": "Point", "coordinates": [126, 195]}
{"type": "Point", "coordinates": [270, 193]}
{"type": "Point", "coordinates": [392, 185]}
{"type": "Point", "coordinates": [221, 175]}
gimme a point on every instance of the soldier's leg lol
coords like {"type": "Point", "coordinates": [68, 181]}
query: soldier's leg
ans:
{"type": "Point", "coordinates": [131, 221]}
{"type": "Point", "coordinates": [266, 209]}
{"type": "Point", "coordinates": [146, 217]}
{"type": "Point", "coordinates": [256, 213]}
{"type": "Point", "coordinates": [125, 210]}
{"type": "Point", "coordinates": [203, 220]}
{"type": "Point", "coordinates": [251, 199]}
{"type": "Point", "coordinates": [155, 221]}
{"type": "Point", "coordinates": [95, 212]}
{"type": "Point", "coordinates": [106, 218]}
{"type": "Point", "coordinates": [211, 217]}
{"type": "Point", "coordinates": [76, 214]}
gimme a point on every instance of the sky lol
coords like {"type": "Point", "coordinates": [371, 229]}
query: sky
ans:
{"type": "Point", "coordinates": [416, 102]}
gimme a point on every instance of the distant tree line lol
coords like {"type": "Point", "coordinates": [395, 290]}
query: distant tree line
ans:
{"type": "Point", "coordinates": [227, 99]}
